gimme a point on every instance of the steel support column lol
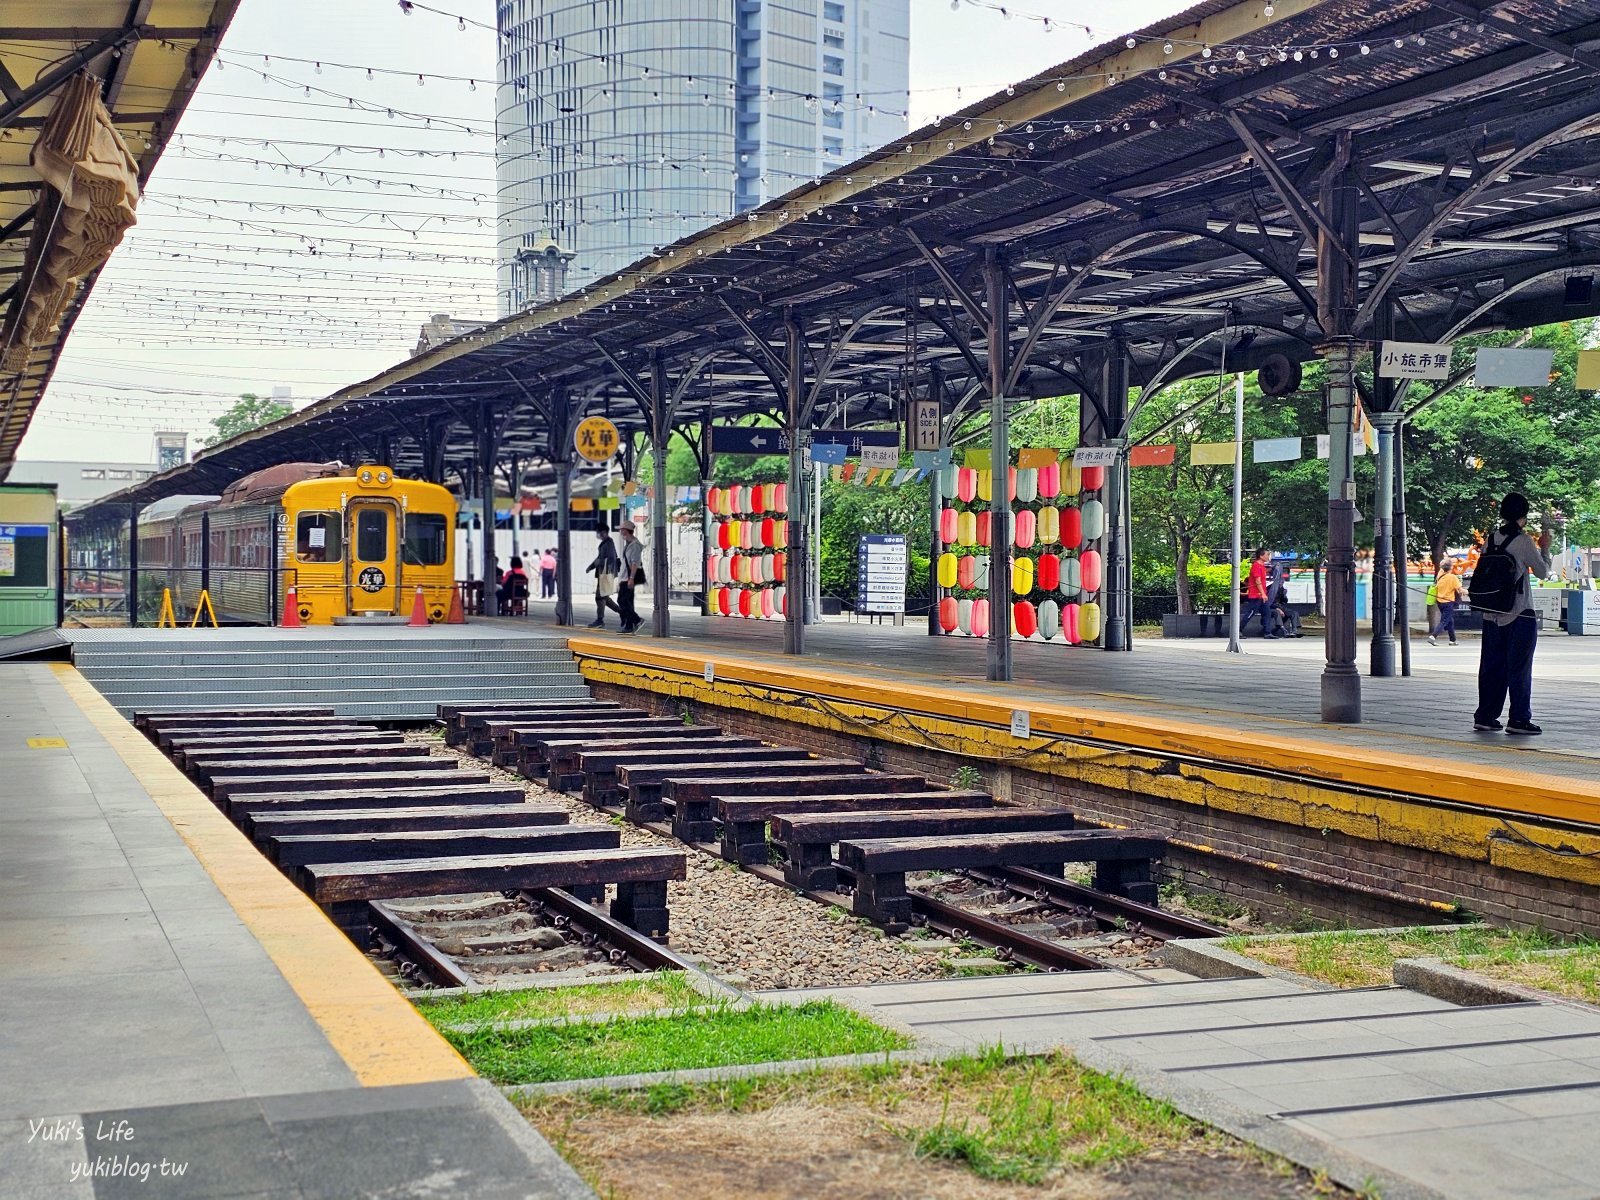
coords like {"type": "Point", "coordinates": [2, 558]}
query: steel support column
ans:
{"type": "Point", "coordinates": [1341, 680]}
{"type": "Point", "coordinates": [1385, 419]}
{"type": "Point", "coordinates": [994, 278]}
{"type": "Point", "coordinates": [563, 466]}
{"type": "Point", "coordinates": [1336, 302]}
{"type": "Point", "coordinates": [133, 566]}
{"type": "Point", "coordinates": [1401, 541]}
{"type": "Point", "coordinates": [799, 566]}
{"type": "Point", "coordinates": [1383, 571]}
{"type": "Point", "coordinates": [486, 452]}
{"type": "Point", "coordinates": [1115, 634]}
{"type": "Point", "coordinates": [660, 434]}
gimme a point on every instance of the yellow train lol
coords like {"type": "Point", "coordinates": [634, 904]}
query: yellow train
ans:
{"type": "Point", "coordinates": [351, 541]}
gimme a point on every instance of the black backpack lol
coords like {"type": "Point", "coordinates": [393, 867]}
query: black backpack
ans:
{"type": "Point", "coordinates": [1497, 579]}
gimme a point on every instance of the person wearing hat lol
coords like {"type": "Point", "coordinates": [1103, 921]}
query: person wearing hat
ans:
{"type": "Point", "coordinates": [1505, 664]}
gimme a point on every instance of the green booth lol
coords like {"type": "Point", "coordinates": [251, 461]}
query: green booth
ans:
{"type": "Point", "coordinates": [29, 554]}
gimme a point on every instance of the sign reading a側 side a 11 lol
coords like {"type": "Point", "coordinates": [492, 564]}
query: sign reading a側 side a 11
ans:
{"type": "Point", "coordinates": [881, 573]}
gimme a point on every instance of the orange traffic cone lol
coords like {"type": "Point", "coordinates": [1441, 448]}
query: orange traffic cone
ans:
{"type": "Point", "coordinates": [456, 615]}
{"type": "Point", "coordinates": [419, 611]}
{"type": "Point", "coordinates": [291, 611]}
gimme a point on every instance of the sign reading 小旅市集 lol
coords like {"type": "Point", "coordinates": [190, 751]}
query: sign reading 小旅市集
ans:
{"type": "Point", "coordinates": [881, 574]}
{"type": "Point", "coordinates": [596, 439]}
{"type": "Point", "coordinates": [1413, 360]}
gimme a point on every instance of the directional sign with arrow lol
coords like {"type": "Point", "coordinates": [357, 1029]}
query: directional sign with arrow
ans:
{"type": "Point", "coordinates": [748, 439]}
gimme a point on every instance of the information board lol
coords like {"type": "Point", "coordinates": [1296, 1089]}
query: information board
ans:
{"type": "Point", "coordinates": [881, 574]}
{"type": "Point", "coordinates": [25, 556]}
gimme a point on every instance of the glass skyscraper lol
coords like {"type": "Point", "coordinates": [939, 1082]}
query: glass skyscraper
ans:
{"type": "Point", "coordinates": [623, 125]}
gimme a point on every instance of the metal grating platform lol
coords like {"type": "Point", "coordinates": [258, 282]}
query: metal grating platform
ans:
{"type": "Point", "coordinates": [379, 674]}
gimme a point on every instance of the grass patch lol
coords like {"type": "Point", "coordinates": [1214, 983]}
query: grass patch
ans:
{"type": "Point", "coordinates": [718, 1037]}
{"type": "Point", "coordinates": [1575, 973]}
{"type": "Point", "coordinates": [972, 1126]}
{"type": "Point", "coordinates": [1035, 1117]}
{"type": "Point", "coordinates": [1348, 959]}
{"type": "Point", "coordinates": [664, 989]}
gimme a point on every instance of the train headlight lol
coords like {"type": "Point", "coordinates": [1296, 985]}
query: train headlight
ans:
{"type": "Point", "coordinates": [366, 477]}
{"type": "Point", "coordinates": [383, 477]}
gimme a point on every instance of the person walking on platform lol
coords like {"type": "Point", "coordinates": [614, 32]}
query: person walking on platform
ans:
{"type": "Point", "coordinates": [547, 574]}
{"type": "Point", "coordinates": [1255, 595]}
{"type": "Point", "coordinates": [629, 578]}
{"type": "Point", "coordinates": [1446, 591]}
{"type": "Point", "coordinates": [1510, 626]}
{"type": "Point", "coordinates": [604, 568]}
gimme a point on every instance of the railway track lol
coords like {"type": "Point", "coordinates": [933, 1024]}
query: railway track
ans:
{"type": "Point", "coordinates": [357, 811]}
{"type": "Point", "coordinates": [1024, 916]}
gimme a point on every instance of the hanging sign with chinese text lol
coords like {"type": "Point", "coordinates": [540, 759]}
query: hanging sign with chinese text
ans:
{"type": "Point", "coordinates": [595, 439]}
{"type": "Point", "coordinates": [1413, 360]}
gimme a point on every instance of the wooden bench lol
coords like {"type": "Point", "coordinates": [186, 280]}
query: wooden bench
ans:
{"type": "Point", "coordinates": [694, 798]}
{"type": "Point", "coordinates": [807, 839]}
{"type": "Point", "coordinates": [600, 770]}
{"type": "Point", "coordinates": [641, 877]}
{"type": "Point", "coordinates": [451, 715]}
{"type": "Point", "coordinates": [298, 849]}
{"type": "Point", "coordinates": [1122, 862]}
{"type": "Point", "coordinates": [512, 752]}
{"type": "Point", "coordinates": [504, 726]}
{"type": "Point", "coordinates": [556, 755]}
{"type": "Point", "coordinates": [143, 719]}
{"type": "Point", "coordinates": [208, 759]}
{"type": "Point", "coordinates": [744, 818]}
{"type": "Point", "coordinates": [344, 767]}
{"type": "Point", "coordinates": [226, 791]}
{"type": "Point", "coordinates": [643, 787]}
{"type": "Point", "coordinates": [163, 737]}
{"type": "Point", "coordinates": [472, 725]}
{"type": "Point", "coordinates": [459, 790]}
{"type": "Point", "coordinates": [180, 747]}
{"type": "Point", "coordinates": [262, 823]}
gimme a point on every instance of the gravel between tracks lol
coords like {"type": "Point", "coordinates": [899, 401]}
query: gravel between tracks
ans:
{"type": "Point", "coordinates": [747, 930]}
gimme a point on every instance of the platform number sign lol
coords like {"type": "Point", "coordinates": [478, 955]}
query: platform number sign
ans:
{"type": "Point", "coordinates": [925, 426]}
{"type": "Point", "coordinates": [596, 439]}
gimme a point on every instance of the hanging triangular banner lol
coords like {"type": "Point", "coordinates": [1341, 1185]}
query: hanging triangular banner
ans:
{"type": "Point", "coordinates": [978, 460]}
{"type": "Point", "coordinates": [1034, 458]}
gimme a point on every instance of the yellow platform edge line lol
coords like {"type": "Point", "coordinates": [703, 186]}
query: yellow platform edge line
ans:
{"type": "Point", "coordinates": [378, 1033]}
{"type": "Point", "coordinates": [1506, 789]}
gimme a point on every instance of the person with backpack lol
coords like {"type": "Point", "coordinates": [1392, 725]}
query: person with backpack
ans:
{"type": "Point", "coordinates": [1446, 591]}
{"type": "Point", "coordinates": [1499, 590]}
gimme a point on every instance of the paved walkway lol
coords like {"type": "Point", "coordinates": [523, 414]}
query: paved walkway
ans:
{"type": "Point", "coordinates": [171, 1000]}
{"type": "Point", "coordinates": [1273, 688]}
{"type": "Point", "coordinates": [1386, 1085]}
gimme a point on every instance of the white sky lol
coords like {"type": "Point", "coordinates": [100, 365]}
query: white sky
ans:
{"type": "Point", "coordinates": [210, 297]}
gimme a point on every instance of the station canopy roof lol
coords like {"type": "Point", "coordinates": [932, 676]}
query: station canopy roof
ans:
{"type": "Point", "coordinates": [1156, 197]}
{"type": "Point", "coordinates": [134, 61]}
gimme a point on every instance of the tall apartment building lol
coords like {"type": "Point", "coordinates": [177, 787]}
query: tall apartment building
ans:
{"type": "Point", "coordinates": [623, 125]}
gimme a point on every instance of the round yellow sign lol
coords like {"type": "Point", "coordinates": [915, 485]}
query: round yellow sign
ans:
{"type": "Point", "coordinates": [595, 439]}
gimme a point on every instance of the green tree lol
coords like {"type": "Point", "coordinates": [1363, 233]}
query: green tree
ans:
{"type": "Point", "coordinates": [251, 412]}
{"type": "Point", "coordinates": [1471, 446]}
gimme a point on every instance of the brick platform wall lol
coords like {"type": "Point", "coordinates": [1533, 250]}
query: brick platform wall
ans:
{"type": "Point", "coordinates": [1502, 896]}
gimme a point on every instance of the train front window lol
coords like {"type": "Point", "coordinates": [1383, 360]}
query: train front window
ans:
{"type": "Point", "coordinates": [372, 535]}
{"type": "Point", "coordinates": [426, 544]}
{"type": "Point", "coordinates": [317, 537]}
